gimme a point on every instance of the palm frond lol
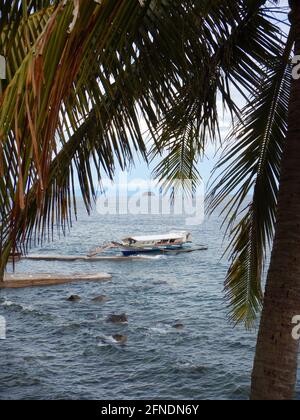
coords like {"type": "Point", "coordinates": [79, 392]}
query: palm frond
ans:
{"type": "Point", "coordinates": [108, 61]}
{"type": "Point", "coordinates": [236, 43]}
{"type": "Point", "coordinates": [179, 167]}
{"type": "Point", "coordinates": [251, 166]}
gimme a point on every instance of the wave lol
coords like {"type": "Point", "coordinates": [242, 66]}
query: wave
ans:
{"type": "Point", "coordinates": [10, 304]}
{"type": "Point", "coordinates": [190, 367]}
{"type": "Point", "coordinates": [162, 329]}
{"type": "Point", "coordinates": [7, 303]}
{"type": "Point", "coordinates": [106, 341]}
{"type": "Point", "coordinates": [20, 307]}
{"type": "Point", "coordinates": [152, 257]}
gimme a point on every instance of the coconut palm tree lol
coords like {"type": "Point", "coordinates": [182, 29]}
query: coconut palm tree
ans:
{"type": "Point", "coordinates": [262, 160]}
{"type": "Point", "coordinates": [275, 367]}
{"type": "Point", "coordinates": [81, 73]}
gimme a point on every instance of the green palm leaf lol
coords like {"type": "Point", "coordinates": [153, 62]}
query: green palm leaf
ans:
{"type": "Point", "coordinates": [237, 42]}
{"type": "Point", "coordinates": [251, 166]}
{"type": "Point", "coordinates": [52, 92]}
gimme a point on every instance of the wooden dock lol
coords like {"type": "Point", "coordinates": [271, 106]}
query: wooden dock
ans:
{"type": "Point", "coordinates": [18, 281]}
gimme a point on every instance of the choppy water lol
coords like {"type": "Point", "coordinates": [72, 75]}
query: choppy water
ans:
{"type": "Point", "coordinates": [56, 349]}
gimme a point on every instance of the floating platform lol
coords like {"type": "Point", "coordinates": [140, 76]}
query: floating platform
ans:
{"type": "Point", "coordinates": [18, 281]}
{"type": "Point", "coordinates": [71, 258]}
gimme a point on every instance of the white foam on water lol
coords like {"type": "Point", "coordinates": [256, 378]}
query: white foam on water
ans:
{"type": "Point", "coordinates": [161, 330]}
{"type": "Point", "coordinates": [152, 257]}
{"type": "Point", "coordinates": [107, 341]}
{"type": "Point", "coordinates": [7, 303]}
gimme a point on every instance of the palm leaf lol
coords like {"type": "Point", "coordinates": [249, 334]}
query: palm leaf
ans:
{"type": "Point", "coordinates": [236, 43]}
{"type": "Point", "coordinates": [251, 166]}
{"type": "Point", "coordinates": [52, 92]}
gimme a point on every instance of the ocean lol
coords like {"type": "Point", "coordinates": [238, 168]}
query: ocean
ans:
{"type": "Point", "coordinates": [56, 349]}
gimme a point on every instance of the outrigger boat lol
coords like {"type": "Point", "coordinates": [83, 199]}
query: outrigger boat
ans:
{"type": "Point", "coordinates": [154, 243]}
{"type": "Point", "coordinates": [133, 245]}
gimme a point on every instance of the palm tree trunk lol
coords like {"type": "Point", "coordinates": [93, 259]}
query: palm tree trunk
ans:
{"type": "Point", "coordinates": [1, 272]}
{"type": "Point", "coordinates": [275, 367]}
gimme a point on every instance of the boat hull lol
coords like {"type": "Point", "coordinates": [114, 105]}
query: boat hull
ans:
{"type": "Point", "coordinates": [135, 251]}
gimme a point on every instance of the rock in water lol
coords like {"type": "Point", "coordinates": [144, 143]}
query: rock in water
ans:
{"type": "Point", "coordinates": [100, 299]}
{"type": "Point", "coordinates": [178, 326]}
{"type": "Point", "coordinates": [118, 319]}
{"type": "Point", "coordinates": [121, 339]}
{"type": "Point", "coordinates": [74, 298]}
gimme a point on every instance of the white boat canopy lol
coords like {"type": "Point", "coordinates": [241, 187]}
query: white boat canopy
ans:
{"type": "Point", "coordinates": [157, 238]}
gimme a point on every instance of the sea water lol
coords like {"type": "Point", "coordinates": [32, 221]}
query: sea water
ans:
{"type": "Point", "coordinates": [56, 349]}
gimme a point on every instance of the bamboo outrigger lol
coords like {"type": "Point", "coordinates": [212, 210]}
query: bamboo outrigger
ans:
{"type": "Point", "coordinates": [71, 258]}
